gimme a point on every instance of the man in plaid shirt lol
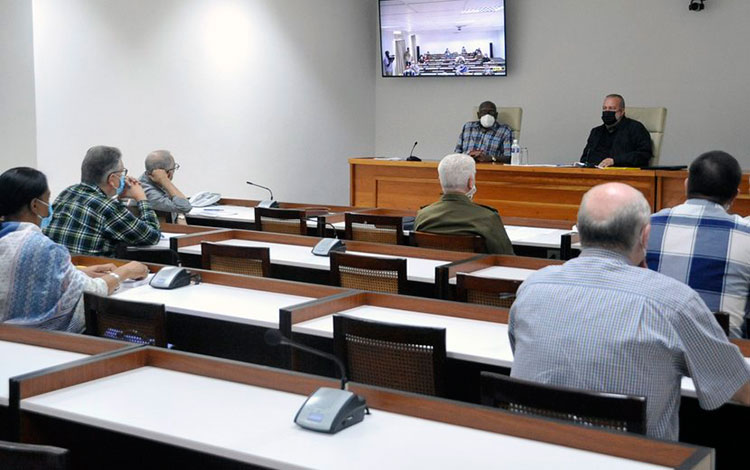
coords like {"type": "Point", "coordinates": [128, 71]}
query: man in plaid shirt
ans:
{"type": "Point", "coordinates": [700, 244]}
{"type": "Point", "coordinates": [89, 218]}
{"type": "Point", "coordinates": [486, 140]}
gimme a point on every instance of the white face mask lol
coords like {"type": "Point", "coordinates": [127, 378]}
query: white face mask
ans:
{"type": "Point", "coordinates": [487, 120]}
{"type": "Point", "coordinates": [470, 193]}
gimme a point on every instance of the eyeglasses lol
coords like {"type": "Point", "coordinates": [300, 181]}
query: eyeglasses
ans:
{"type": "Point", "coordinates": [176, 167]}
{"type": "Point", "coordinates": [124, 172]}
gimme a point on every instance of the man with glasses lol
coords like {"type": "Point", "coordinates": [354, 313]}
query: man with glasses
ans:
{"type": "Point", "coordinates": [157, 183]}
{"type": "Point", "coordinates": [89, 218]}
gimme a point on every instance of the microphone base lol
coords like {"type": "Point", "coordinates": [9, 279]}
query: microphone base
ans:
{"type": "Point", "coordinates": [268, 204]}
{"type": "Point", "coordinates": [331, 410]}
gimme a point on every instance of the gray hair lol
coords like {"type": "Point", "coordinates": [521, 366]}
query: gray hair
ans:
{"type": "Point", "coordinates": [159, 160]}
{"type": "Point", "coordinates": [454, 171]}
{"type": "Point", "coordinates": [619, 231]}
{"type": "Point", "coordinates": [615, 95]}
{"type": "Point", "coordinates": [100, 161]}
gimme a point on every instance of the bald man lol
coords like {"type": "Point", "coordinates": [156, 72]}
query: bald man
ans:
{"type": "Point", "coordinates": [602, 322]}
{"type": "Point", "coordinates": [160, 191]}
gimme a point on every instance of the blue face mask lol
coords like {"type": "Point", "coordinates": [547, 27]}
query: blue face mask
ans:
{"type": "Point", "coordinates": [121, 188]}
{"type": "Point", "coordinates": [44, 221]}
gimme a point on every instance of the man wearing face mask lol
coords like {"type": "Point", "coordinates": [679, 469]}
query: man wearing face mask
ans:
{"type": "Point", "coordinates": [700, 244]}
{"type": "Point", "coordinates": [456, 214]}
{"type": "Point", "coordinates": [486, 140]}
{"type": "Point", "coordinates": [89, 218]}
{"type": "Point", "coordinates": [620, 141]}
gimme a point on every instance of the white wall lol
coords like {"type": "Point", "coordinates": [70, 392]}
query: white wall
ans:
{"type": "Point", "coordinates": [278, 92]}
{"type": "Point", "coordinates": [17, 126]}
{"type": "Point", "coordinates": [564, 56]}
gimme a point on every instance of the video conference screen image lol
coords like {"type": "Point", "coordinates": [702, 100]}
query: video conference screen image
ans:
{"type": "Point", "coordinates": [442, 38]}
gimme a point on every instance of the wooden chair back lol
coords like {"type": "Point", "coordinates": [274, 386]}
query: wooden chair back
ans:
{"type": "Point", "coordinates": [32, 456]}
{"type": "Point", "coordinates": [368, 273]}
{"type": "Point", "coordinates": [125, 320]}
{"type": "Point", "coordinates": [403, 357]}
{"type": "Point", "coordinates": [374, 228]}
{"type": "Point", "coordinates": [606, 410]}
{"type": "Point", "coordinates": [438, 241]}
{"type": "Point", "coordinates": [248, 260]}
{"type": "Point", "coordinates": [280, 220]}
{"type": "Point", "coordinates": [486, 291]}
{"type": "Point", "coordinates": [147, 254]}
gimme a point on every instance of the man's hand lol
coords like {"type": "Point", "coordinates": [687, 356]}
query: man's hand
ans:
{"type": "Point", "coordinates": [98, 270]}
{"type": "Point", "coordinates": [133, 190]}
{"type": "Point", "coordinates": [606, 162]}
{"type": "Point", "coordinates": [478, 155]}
{"type": "Point", "coordinates": [159, 176]}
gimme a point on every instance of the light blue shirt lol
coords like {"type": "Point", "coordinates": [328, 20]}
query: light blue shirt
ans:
{"type": "Point", "coordinates": [601, 324]}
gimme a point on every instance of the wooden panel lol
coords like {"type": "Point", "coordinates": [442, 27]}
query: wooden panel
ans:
{"type": "Point", "coordinates": [59, 340]}
{"type": "Point", "coordinates": [671, 192]}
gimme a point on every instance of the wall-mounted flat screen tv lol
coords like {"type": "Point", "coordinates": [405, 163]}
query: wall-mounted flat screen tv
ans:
{"type": "Point", "coordinates": [442, 38]}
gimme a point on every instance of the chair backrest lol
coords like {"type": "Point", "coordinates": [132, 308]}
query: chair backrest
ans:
{"type": "Point", "coordinates": [374, 228]}
{"type": "Point", "coordinates": [248, 260]}
{"type": "Point", "coordinates": [126, 320]}
{"type": "Point", "coordinates": [722, 318]}
{"type": "Point", "coordinates": [511, 117]}
{"type": "Point", "coordinates": [654, 119]}
{"type": "Point", "coordinates": [438, 241]}
{"type": "Point", "coordinates": [605, 410]}
{"type": "Point", "coordinates": [147, 254]}
{"type": "Point", "coordinates": [32, 456]}
{"type": "Point", "coordinates": [403, 357]}
{"type": "Point", "coordinates": [368, 273]}
{"type": "Point", "coordinates": [486, 291]}
{"type": "Point", "coordinates": [280, 220]}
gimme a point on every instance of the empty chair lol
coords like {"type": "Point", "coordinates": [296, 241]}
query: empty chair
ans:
{"type": "Point", "coordinates": [654, 120]}
{"type": "Point", "coordinates": [374, 228]}
{"type": "Point", "coordinates": [588, 408]}
{"type": "Point", "coordinates": [437, 241]}
{"type": "Point", "coordinates": [248, 260]}
{"type": "Point", "coordinates": [403, 357]}
{"type": "Point", "coordinates": [280, 220]}
{"type": "Point", "coordinates": [486, 291]}
{"type": "Point", "coordinates": [125, 320]}
{"type": "Point", "coordinates": [368, 273]}
{"type": "Point", "coordinates": [32, 456]}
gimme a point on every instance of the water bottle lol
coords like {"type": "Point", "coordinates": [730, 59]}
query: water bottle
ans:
{"type": "Point", "coordinates": [515, 153]}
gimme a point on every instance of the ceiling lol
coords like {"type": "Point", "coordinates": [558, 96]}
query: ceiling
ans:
{"type": "Point", "coordinates": [442, 15]}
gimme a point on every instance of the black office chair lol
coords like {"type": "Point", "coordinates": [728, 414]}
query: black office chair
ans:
{"type": "Point", "coordinates": [125, 320]}
{"type": "Point", "coordinates": [32, 457]}
{"type": "Point", "coordinates": [588, 408]}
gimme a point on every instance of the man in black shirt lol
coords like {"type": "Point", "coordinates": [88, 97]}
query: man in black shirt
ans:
{"type": "Point", "coordinates": [620, 141]}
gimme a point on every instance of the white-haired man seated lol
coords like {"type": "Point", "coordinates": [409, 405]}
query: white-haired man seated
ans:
{"type": "Point", "coordinates": [160, 190]}
{"type": "Point", "coordinates": [456, 214]}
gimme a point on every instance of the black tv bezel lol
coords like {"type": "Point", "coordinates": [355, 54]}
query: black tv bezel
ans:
{"type": "Point", "coordinates": [450, 77]}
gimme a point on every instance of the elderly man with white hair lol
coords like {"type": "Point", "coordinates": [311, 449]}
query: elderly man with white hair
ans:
{"type": "Point", "coordinates": [603, 322]}
{"type": "Point", "coordinates": [456, 214]}
{"type": "Point", "coordinates": [161, 192]}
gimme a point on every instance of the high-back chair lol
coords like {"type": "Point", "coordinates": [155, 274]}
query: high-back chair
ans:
{"type": "Point", "coordinates": [32, 456]}
{"type": "Point", "coordinates": [403, 357]}
{"type": "Point", "coordinates": [438, 241]}
{"type": "Point", "coordinates": [125, 320]}
{"type": "Point", "coordinates": [654, 119]}
{"type": "Point", "coordinates": [248, 260]}
{"type": "Point", "coordinates": [374, 228]}
{"type": "Point", "coordinates": [511, 117]}
{"type": "Point", "coordinates": [368, 273]}
{"type": "Point", "coordinates": [280, 220]}
{"type": "Point", "coordinates": [605, 410]}
{"type": "Point", "coordinates": [486, 291]}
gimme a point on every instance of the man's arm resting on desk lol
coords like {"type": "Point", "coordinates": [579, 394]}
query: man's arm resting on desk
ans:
{"type": "Point", "coordinates": [743, 394]}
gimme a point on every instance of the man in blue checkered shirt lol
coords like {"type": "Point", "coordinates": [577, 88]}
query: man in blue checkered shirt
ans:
{"type": "Point", "coordinates": [486, 140]}
{"type": "Point", "coordinates": [602, 322]}
{"type": "Point", "coordinates": [700, 244]}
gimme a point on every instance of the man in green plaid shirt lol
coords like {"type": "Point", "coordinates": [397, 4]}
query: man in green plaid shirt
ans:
{"type": "Point", "coordinates": [89, 218]}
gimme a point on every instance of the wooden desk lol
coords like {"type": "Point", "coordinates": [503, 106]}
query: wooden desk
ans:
{"type": "Point", "coordinates": [671, 192]}
{"type": "Point", "coordinates": [195, 412]}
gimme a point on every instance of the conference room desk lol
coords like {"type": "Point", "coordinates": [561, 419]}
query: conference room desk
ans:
{"type": "Point", "coordinates": [170, 233]}
{"type": "Point", "coordinates": [25, 350]}
{"type": "Point", "coordinates": [292, 258]}
{"type": "Point", "coordinates": [225, 315]}
{"type": "Point", "coordinates": [153, 408]}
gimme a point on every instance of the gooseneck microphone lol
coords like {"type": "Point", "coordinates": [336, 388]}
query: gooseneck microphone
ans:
{"type": "Point", "coordinates": [411, 157]}
{"type": "Point", "coordinates": [267, 189]}
{"type": "Point", "coordinates": [266, 202]}
{"type": "Point", "coordinates": [275, 338]}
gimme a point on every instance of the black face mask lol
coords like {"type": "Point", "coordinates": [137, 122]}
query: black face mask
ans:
{"type": "Point", "coordinates": [609, 117]}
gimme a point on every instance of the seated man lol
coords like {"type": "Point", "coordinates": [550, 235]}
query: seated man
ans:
{"type": "Point", "coordinates": [602, 322]}
{"type": "Point", "coordinates": [700, 244]}
{"type": "Point", "coordinates": [455, 214]}
{"type": "Point", "coordinates": [89, 218]}
{"type": "Point", "coordinates": [486, 140]}
{"type": "Point", "coordinates": [620, 141]}
{"type": "Point", "coordinates": [160, 191]}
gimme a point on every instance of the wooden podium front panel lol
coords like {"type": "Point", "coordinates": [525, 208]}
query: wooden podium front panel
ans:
{"type": "Point", "coordinates": [671, 192]}
{"type": "Point", "coordinates": [537, 192]}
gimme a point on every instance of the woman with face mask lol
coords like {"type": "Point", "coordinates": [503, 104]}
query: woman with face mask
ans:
{"type": "Point", "coordinates": [39, 287]}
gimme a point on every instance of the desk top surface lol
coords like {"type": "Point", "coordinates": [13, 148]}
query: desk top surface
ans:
{"type": "Point", "coordinates": [231, 213]}
{"type": "Point", "coordinates": [19, 358]}
{"type": "Point", "coordinates": [255, 425]}
{"type": "Point", "coordinates": [417, 269]}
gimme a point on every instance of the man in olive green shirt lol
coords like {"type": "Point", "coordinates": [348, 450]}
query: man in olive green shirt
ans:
{"type": "Point", "coordinates": [456, 214]}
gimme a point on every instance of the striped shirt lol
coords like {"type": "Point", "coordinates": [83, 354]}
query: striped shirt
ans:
{"type": "Point", "coordinates": [699, 244]}
{"type": "Point", "coordinates": [88, 222]}
{"type": "Point", "coordinates": [598, 323]}
{"type": "Point", "coordinates": [495, 141]}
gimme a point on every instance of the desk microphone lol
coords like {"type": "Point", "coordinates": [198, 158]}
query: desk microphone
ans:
{"type": "Point", "coordinates": [326, 244]}
{"type": "Point", "coordinates": [265, 202]}
{"type": "Point", "coordinates": [411, 157]}
{"type": "Point", "coordinates": [274, 338]}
